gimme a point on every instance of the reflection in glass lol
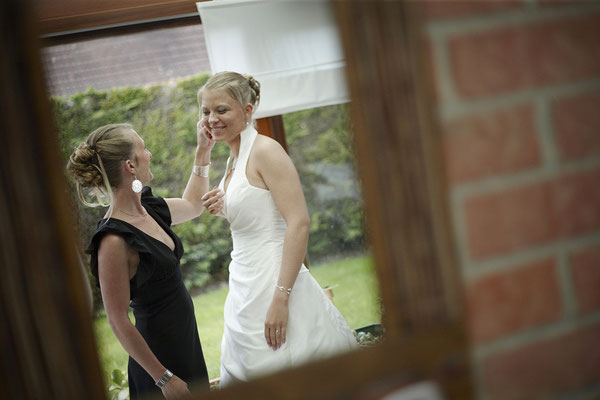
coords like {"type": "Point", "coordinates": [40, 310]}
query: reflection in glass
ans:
{"type": "Point", "coordinates": [165, 114]}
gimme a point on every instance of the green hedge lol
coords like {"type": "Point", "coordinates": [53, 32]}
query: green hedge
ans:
{"type": "Point", "coordinates": [165, 115]}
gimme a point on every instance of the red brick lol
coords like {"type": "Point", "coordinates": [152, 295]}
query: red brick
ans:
{"type": "Point", "coordinates": [577, 203]}
{"type": "Point", "coordinates": [499, 222]}
{"type": "Point", "coordinates": [510, 220]}
{"type": "Point", "coordinates": [533, 55]}
{"type": "Point", "coordinates": [577, 125]}
{"type": "Point", "coordinates": [479, 146]}
{"type": "Point", "coordinates": [546, 367]}
{"type": "Point", "coordinates": [441, 9]}
{"type": "Point", "coordinates": [513, 301]}
{"type": "Point", "coordinates": [586, 278]}
{"type": "Point", "coordinates": [488, 63]}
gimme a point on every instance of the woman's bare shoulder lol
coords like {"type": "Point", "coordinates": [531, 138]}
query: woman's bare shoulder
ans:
{"type": "Point", "coordinates": [112, 242]}
{"type": "Point", "coordinates": [265, 142]}
{"type": "Point", "coordinates": [268, 148]}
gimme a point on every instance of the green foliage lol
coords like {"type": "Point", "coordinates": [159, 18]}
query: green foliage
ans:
{"type": "Point", "coordinates": [320, 135]}
{"type": "Point", "coordinates": [165, 115]}
{"type": "Point", "coordinates": [208, 245]}
{"type": "Point", "coordinates": [336, 226]}
{"type": "Point", "coordinates": [119, 385]}
{"type": "Point", "coordinates": [319, 139]}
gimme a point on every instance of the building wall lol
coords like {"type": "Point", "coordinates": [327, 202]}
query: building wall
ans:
{"type": "Point", "coordinates": [134, 59]}
{"type": "Point", "coordinates": [517, 86]}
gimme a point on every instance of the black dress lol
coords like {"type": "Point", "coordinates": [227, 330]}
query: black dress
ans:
{"type": "Point", "coordinates": [162, 306]}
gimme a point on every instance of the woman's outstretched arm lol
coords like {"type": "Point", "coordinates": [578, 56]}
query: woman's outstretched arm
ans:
{"type": "Point", "coordinates": [190, 205]}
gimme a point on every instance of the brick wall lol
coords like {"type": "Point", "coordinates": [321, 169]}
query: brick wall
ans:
{"type": "Point", "coordinates": [133, 59]}
{"type": "Point", "coordinates": [518, 100]}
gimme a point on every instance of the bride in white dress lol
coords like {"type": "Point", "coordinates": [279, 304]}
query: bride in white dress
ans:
{"type": "Point", "coordinates": [276, 315]}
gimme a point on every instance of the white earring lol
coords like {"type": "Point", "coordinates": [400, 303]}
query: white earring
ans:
{"type": "Point", "coordinates": [136, 185]}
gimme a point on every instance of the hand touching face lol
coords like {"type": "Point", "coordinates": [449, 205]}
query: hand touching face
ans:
{"type": "Point", "coordinates": [205, 138]}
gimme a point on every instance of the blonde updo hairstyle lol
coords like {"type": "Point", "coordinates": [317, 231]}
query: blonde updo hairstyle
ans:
{"type": "Point", "coordinates": [243, 88]}
{"type": "Point", "coordinates": [96, 162]}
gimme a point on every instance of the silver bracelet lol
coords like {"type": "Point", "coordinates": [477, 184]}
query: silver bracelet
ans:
{"type": "Point", "coordinates": [162, 381]}
{"type": "Point", "coordinates": [284, 290]}
{"type": "Point", "coordinates": [201, 170]}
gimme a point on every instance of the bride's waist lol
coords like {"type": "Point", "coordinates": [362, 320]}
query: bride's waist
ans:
{"type": "Point", "coordinates": [257, 238]}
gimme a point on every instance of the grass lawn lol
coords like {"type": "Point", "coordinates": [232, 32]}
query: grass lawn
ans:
{"type": "Point", "coordinates": [356, 296]}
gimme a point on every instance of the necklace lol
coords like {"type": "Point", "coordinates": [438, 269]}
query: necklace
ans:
{"type": "Point", "coordinates": [132, 215]}
{"type": "Point", "coordinates": [232, 167]}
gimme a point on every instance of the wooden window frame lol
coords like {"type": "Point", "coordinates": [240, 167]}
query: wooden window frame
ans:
{"type": "Point", "coordinates": [47, 337]}
{"type": "Point", "coordinates": [64, 17]}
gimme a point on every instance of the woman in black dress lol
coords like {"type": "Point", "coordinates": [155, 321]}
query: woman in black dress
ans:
{"type": "Point", "coordinates": [135, 258]}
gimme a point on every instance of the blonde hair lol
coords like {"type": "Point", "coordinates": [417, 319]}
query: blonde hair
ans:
{"type": "Point", "coordinates": [243, 88]}
{"type": "Point", "coordinates": [96, 162]}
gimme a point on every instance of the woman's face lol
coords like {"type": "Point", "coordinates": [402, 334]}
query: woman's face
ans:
{"type": "Point", "coordinates": [222, 115]}
{"type": "Point", "coordinates": [142, 159]}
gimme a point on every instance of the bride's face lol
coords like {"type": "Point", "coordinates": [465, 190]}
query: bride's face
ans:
{"type": "Point", "coordinates": [223, 116]}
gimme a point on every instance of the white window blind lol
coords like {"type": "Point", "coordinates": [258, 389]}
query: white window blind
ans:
{"type": "Point", "coordinates": [291, 47]}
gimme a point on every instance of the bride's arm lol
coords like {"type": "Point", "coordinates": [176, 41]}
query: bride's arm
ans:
{"type": "Point", "coordinates": [280, 176]}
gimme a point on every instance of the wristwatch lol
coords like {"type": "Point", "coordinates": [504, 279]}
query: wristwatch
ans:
{"type": "Point", "coordinates": [162, 381]}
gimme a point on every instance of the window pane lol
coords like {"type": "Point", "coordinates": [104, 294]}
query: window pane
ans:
{"type": "Point", "coordinates": [320, 144]}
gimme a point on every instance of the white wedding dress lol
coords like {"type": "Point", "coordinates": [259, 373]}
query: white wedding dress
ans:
{"type": "Point", "coordinates": [315, 329]}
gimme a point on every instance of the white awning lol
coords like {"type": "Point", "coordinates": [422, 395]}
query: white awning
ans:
{"type": "Point", "coordinates": [291, 47]}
